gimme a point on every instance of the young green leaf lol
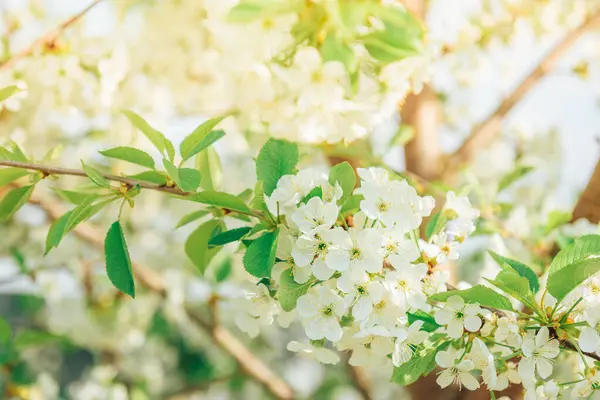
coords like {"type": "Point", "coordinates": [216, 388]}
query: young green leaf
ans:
{"type": "Point", "coordinates": [232, 235]}
{"type": "Point", "coordinates": [150, 176]}
{"type": "Point", "coordinates": [515, 285]}
{"type": "Point", "coordinates": [156, 137]}
{"type": "Point", "coordinates": [250, 10]}
{"type": "Point", "coordinates": [8, 175]}
{"type": "Point", "coordinates": [290, 290]}
{"type": "Point", "coordinates": [118, 263]}
{"type": "Point", "coordinates": [352, 204]}
{"type": "Point", "coordinates": [421, 364]}
{"type": "Point", "coordinates": [276, 159]}
{"type": "Point", "coordinates": [429, 324]}
{"type": "Point", "coordinates": [316, 192]}
{"type": "Point", "coordinates": [209, 165]}
{"type": "Point", "coordinates": [17, 153]}
{"type": "Point", "coordinates": [482, 295]}
{"type": "Point", "coordinates": [582, 248]}
{"type": "Point", "coordinates": [95, 175]}
{"type": "Point", "coordinates": [131, 155]}
{"type": "Point", "coordinates": [220, 199]}
{"type": "Point", "coordinates": [8, 91]}
{"type": "Point", "coordinates": [513, 176]}
{"type": "Point", "coordinates": [57, 231]}
{"type": "Point", "coordinates": [520, 268]}
{"type": "Point", "coordinates": [191, 217]}
{"type": "Point", "coordinates": [431, 226]}
{"type": "Point", "coordinates": [196, 246]}
{"type": "Point", "coordinates": [343, 174]}
{"type": "Point", "coordinates": [187, 179]}
{"type": "Point", "coordinates": [557, 218]}
{"type": "Point", "coordinates": [563, 281]}
{"type": "Point", "coordinates": [201, 138]}
{"type": "Point", "coordinates": [334, 49]}
{"type": "Point", "coordinates": [260, 256]}
{"type": "Point", "coordinates": [258, 201]}
{"type": "Point", "coordinates": [75, 197]}
{"type": "Point", "coordinates": [14, 200]}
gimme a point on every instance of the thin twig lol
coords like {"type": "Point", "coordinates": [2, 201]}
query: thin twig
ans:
{"type": "Point", "coordinates": [50, 37]}
{"type": "Point", "coordinates": [484, 132]}
{"type": "Point", "coordinates": [47, 170]}
{"type": "Point", "coordinates": [250, 364]}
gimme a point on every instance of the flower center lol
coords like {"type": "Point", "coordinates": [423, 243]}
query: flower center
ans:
{"type": "Point", "coordinates": [327, 311]}
{"type": "Point", "coordinates": [379, 306]}
{"type": "Point", "coordinates": [361, 289]}
{"type": "Point", "coordinates": [383, 206]}
{"type": "Point", "coordinates": [355, 254]}
{"type": "Point", "coordinates": [459, 315]}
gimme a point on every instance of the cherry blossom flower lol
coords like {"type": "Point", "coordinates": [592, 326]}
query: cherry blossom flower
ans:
{"type": "Point", "coordinates": [457, 317]}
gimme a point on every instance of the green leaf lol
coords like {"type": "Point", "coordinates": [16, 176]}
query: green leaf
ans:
{"type": "Point", "coordinates": [513, 284]}
{"type": "Point", "coordinates": [582, 248]}
{"type": "Point", "coordinates": [400, 38]}
{"type": "Point", "coordinates": [522, 269]}
{"type": "Point", "coordinates": [156, 137]}
{"type": "Point", "coordinates": [220, 199]}
{"type": "Point", "coordinates": [202, 137]}
{"type": "Point", "coordinates": [196, 246]}
{"type": "Point", "coordinates": [131, 155]}
{"type": "Point", "coordinates": [430, 228]}
{"type": "Point", "coordinates": [169, 149]}
{"type": "Point", "coordinates": [290, 290]}
{"type": "Point", "coordinates": [75, 197]}
{"type": "Point", "coordinates": [83, 212]}
{"type": "Point", "coordinates": [334, 49]}
{"type": "Point", "coordinates": [17, 153]}
{"type": "Point", "coordinates": [429, 324]}
{"type": "Point", "coordinates": [344, 175]}
{"type": "Point", "coordinates": [187, 179]}
{"type": "Point", "coordinates": [31, 338]}
{"type": "Point", "coordinates": [8, 175]}
{"type": "Point", "coordinates": [232, 235]}
{"type": "Point", "coordinates": [485, 296]}
{"type": "Point", "coordinates": [316, 192]}
{"type": "Point", "coordinates": [513, 176]}
{"type": "Point", "coordinates": [258, 201]}
{"type": "Point", "coordinates": [57, 231]}
{"type": "Point", "coordinates": [352, 204]}
{"type": "Point", "coordinates": [276, 159]}
{"type": "Point", "coordinates": [118, 263]}
{"type": "Point", "coordinates": [563, 281]}
{"type": "Point", "coordinates": [421, 364]}
{"type": "Point", "coordinates": [14, 200]}
{"type": "Point", "coordinates": [191, 217]}
{"type": "Point", "coordinates": [209, 165]}
{"type": "Point", "coordinates": [5, 332]}
{"type": "Point", "coordinates": [222, 270]}
{"type": "Point", "coordinates": [150, 176]}
{"type": "Point", "coordinates": [250, 10]}
{"type": "Point", "coordinates": [260, 256]}
{"type": "Point", "coordinates": [8, 91]}
{"type": "Point", "coordinates": [556, 219]}
{"type": "Point", "coordinates": [95, 175]}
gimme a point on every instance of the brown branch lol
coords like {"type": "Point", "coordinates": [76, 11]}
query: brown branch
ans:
{"type": "Point", "coordinates": [150, 279]}
{"type": "Point", "coordinates": [75, 172]}
{"type": "Point", "coordinates": [361, 381]}
{"type": "Point", "coordinates": [49, 38]}
{"type": "Point", "coordinates": [483, 133]}
{"type": "Point", "coordinates": [588, 205]}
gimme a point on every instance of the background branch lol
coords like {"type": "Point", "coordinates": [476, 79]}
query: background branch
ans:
{"type": "Point", "coordinates": [250, 364]}
{"type": "Point", "coordinates": [49, 38]}
{"type": "Point", "coordinates": [484, 132]}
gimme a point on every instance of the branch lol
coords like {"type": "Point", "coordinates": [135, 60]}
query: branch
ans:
{"type": "Point", "coordinates": [361, 381]}
{"type": "Point", "coordinates": [76, 172]}
{"type": "Point", "coordinates": [484, 132]}
{"type": "Point", "coordinates": [150, 279]}
{"type": "Point", "coordinates": [588, 205]}
{"type": "Point", "coordinates": [49, 38]}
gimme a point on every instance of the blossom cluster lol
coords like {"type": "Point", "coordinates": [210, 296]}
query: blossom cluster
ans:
{"type": "Point", "coordinates": [366, 283]}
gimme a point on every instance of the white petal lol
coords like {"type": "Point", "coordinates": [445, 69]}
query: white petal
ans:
{"type": "Point", "coordinates": [321, 271]}
{"type": "Point", "coordinates": [588, 339]}
{"type": "Point", "coordinates": [445, 378]}
{"type": "Point", "coordinates": [473, 323]}
{"type": "Point", "coordinates": [468, 380]}
{"type": "Point", "coordinates": [544, 368]}
{"type": "Point", "coordinates": [455, 329]}
{"type": "Point", "coordinates": [362, 309]}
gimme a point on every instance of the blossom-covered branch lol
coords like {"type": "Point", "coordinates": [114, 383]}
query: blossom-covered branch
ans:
{"type": "Point", "coordinates": [49, 38]}
{"type": "Point", "coordinates": [484, 132]}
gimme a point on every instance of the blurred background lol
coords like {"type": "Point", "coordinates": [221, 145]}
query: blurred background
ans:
{"type": "Point", "coordinates": [177, 62]}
